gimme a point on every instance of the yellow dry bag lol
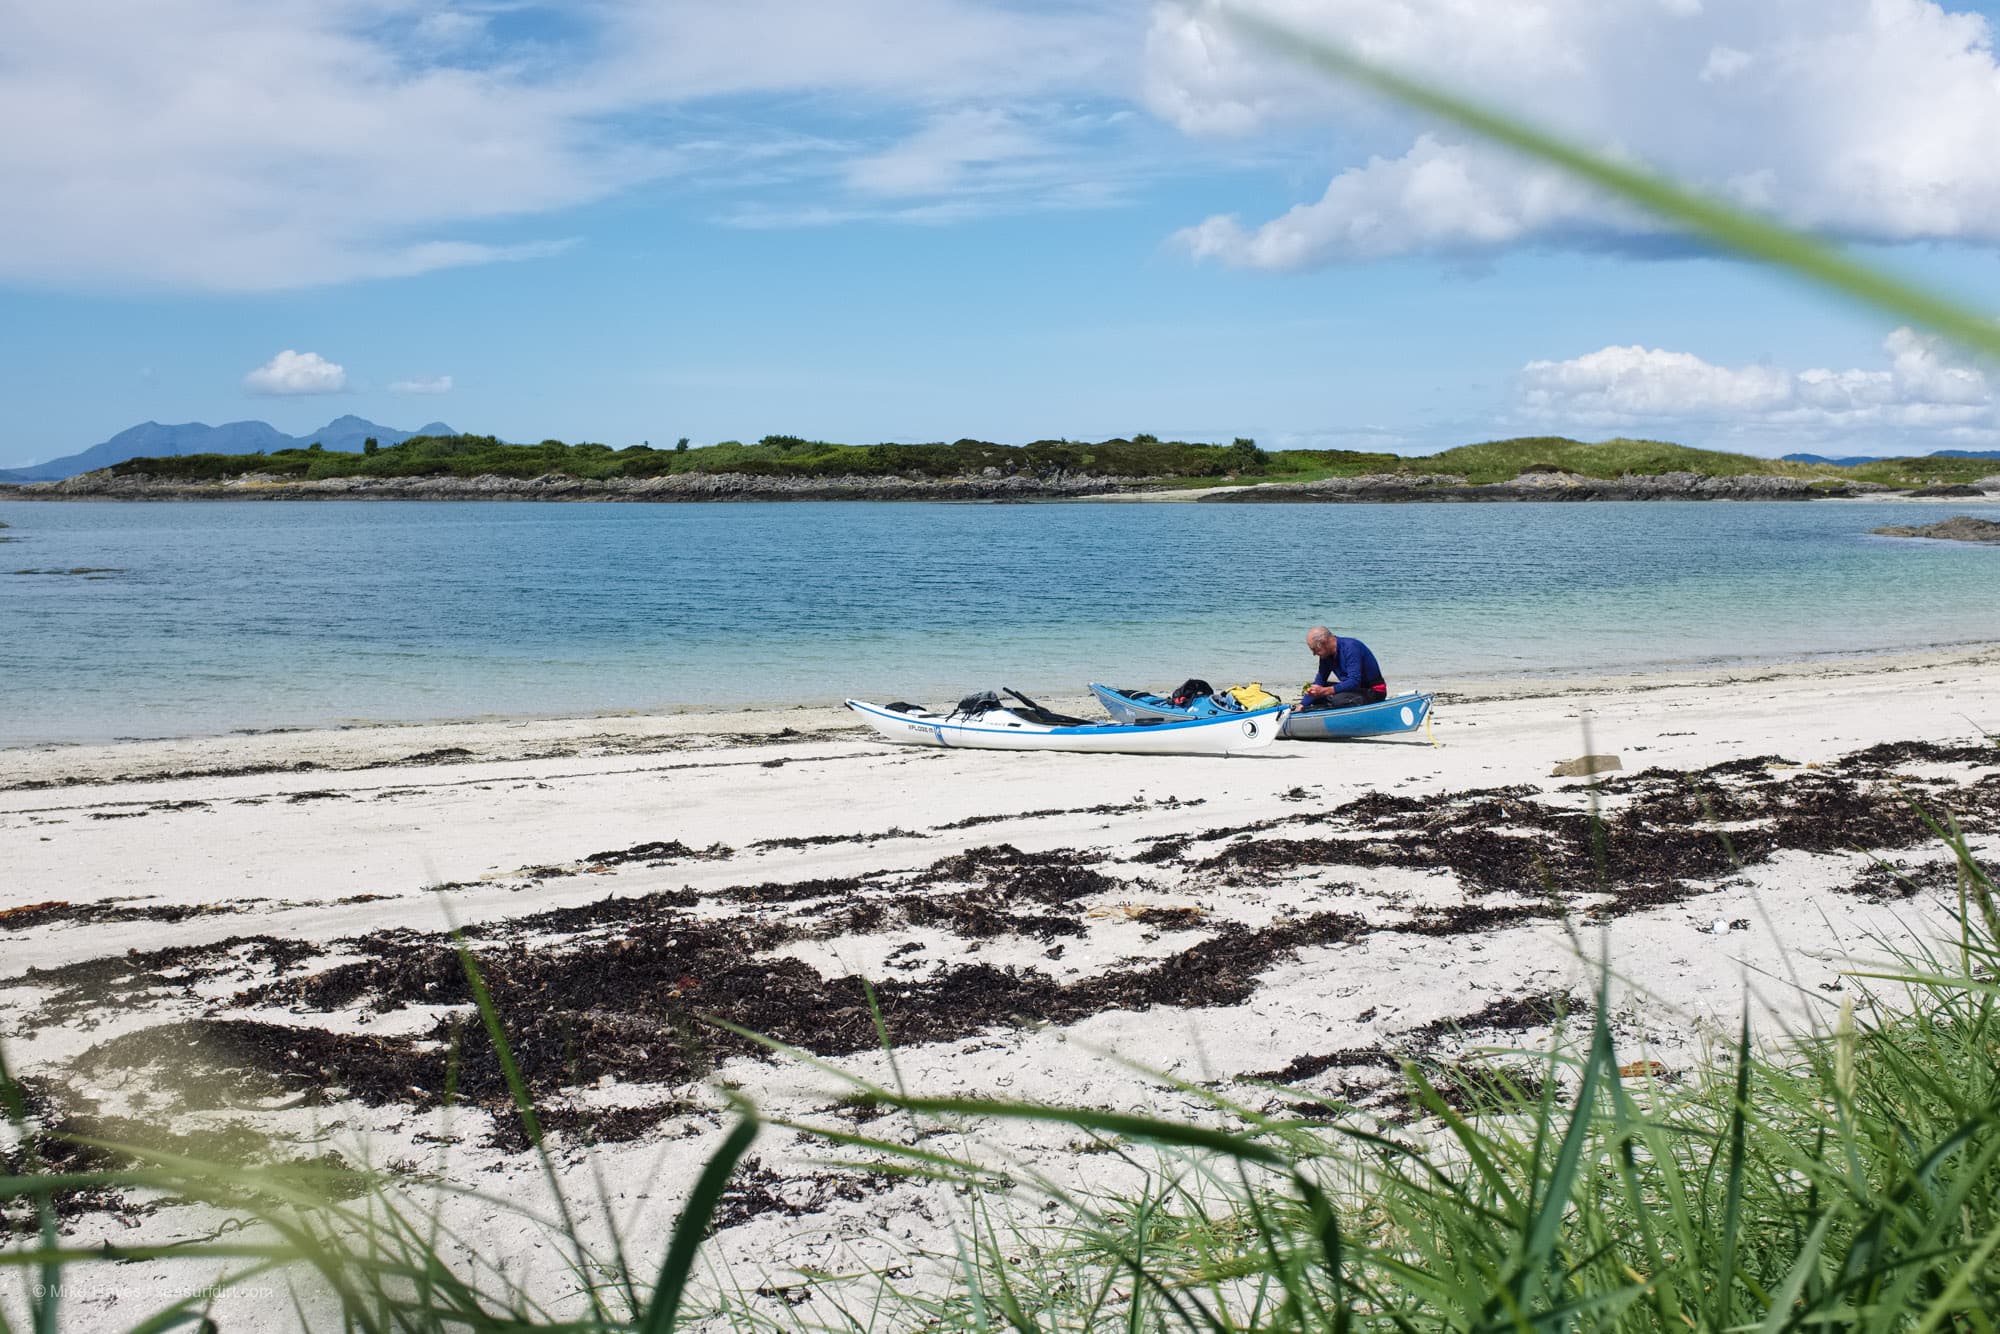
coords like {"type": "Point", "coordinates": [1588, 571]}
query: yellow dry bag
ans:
{"type": "Point", "coordinates": [1252, 696]}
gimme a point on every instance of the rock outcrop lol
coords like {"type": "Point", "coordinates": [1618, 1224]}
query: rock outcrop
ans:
{"type": "Point", "coordinates": [990, 485]}
{"type": "Point", "coordinates": [562, 486]}
{"type": "Point", "coordinates": [1544, 486]}
{"type": "Point", "coordinates": [1958, 528]}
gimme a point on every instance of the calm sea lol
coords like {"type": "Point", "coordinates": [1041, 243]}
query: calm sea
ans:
{"type": "Point", "coordinates": [206, 617]}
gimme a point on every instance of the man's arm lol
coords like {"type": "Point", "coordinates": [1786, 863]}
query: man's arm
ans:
{"type": "Point", "coordinates": [1350, 667]}
{"type": "Point", "coordinates": [1319, 686]}
{"type": "Point", "coordinates": [1336, 665]}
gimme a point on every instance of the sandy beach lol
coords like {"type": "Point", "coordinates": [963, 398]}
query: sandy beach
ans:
{"type": "Point", "coordinates": [243, 936]}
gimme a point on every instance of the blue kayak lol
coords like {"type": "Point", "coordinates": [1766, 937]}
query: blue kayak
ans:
{"type": "Point", "coordinates": [1140, 706]}
{"type": "Point", "coordinates": [1400, 713]}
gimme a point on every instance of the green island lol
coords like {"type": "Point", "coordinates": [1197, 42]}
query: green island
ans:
{"type": "Point", "coordinates": [1140, 459]}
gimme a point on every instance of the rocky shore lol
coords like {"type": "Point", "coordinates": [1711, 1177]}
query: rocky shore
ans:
{"type": "Point", "coordinates": [561, 486]}
{"type": "Point", "coordinates": [1546, 486]}
{"type": "Point", "coordinates": [1959, 528]}
{"type": "Point", "coordinates": [993, 486]}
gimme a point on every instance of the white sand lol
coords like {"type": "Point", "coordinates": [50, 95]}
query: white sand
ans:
{"type": "Point", "coordinates": [153, 824]}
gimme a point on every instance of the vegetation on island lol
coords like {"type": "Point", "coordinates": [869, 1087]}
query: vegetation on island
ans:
{"type": "Point", "coordinates": [1141, 458]}
{"type": "Point", "coordinates": [774, 456]}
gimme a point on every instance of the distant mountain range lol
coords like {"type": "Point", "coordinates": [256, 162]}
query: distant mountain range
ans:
{"type": "Point", "coordinates": [151, 440]}
{"type": "Point", "coordinates": [1857, 462]}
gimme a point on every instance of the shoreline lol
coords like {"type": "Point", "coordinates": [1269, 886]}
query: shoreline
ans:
{"type": "Point", "coordinates": [687, 725]}
{"type": "Point", "coordinates": [378, 743]}
{"type": "Point", "coordinates": [685, 488]}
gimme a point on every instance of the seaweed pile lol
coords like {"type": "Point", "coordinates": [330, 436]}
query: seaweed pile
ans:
{"type": "Point", "coordinates": [625, 989]}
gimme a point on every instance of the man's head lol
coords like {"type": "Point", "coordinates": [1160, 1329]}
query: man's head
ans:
{"type": "Point", "coordinates": [1320, 641]}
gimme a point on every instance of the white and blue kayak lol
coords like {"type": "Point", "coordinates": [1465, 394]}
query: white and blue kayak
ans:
{"type": "Point", "coordinates": [1400, 713]}
{"type": "Point", "coordinates": [1028, 726]}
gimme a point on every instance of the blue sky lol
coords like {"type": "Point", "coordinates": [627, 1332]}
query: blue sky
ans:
{"type": "Point", "coordinates": [891, 220]}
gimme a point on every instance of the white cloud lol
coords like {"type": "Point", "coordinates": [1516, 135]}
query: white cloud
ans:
{"type": "Point", "coordinates": [923, 50]}
{"type": "Point", "coordinates": [249, 145]}
{"type": "Point", "coordinates": [1438, 196]}
{"type": "Point", "coordinates": [449, 30]}
{"type": "Point", "coordinates": [422, 384]}
{"type": "Point", "coordinates": [1872, 120]}
{"type": "Point", "coordinates": [959, 164]}
{"type": "Point", "coordinates": [936, 158]}
{"type": "Point", "coordinates": [1725, 62]}
{"type": "Point", "coordinates": [1627, 382]}
{"type": "Point", "coordinates": [1924, 388]}
{"type": "Point", "coordinates": [296, 373]}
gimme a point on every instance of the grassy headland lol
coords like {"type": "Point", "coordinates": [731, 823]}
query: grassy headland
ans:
{"type": "Point", "coordinates": [1169, 463]}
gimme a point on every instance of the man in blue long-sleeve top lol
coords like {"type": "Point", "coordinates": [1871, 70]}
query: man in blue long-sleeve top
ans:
{"type": "Point", "coordinates": [1348, 673]}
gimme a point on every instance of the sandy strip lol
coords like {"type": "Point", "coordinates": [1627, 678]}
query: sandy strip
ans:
{"type": "Point", "coordinates": [1038, 912]}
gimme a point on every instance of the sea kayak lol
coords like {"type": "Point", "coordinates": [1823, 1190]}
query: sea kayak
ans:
{"type": "Point", "coordinates": [1141, 706]}
{"type": "Point", "coordinates": [1401, 713]}
{"type": "Point", "coordinates": [1029, 727]}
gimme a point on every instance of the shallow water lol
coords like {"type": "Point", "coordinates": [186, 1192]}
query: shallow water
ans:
{"type": "Point", "coordinates": [205, 616]}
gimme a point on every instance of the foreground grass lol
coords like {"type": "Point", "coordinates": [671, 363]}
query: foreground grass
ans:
{"type": "Point", "coordinates": [1849, 1184]}
{"type": "Point", "coordinates": [1848, 1179]}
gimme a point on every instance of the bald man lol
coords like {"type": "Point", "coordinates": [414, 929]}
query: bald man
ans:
{"type": "Point", "coordinates": [1348, 672]}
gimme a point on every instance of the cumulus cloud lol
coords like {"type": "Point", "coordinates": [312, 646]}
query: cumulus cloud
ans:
{"type": "Point", "coordinates": [1625, 382]}
{"type": "Point", "coordinates": [241, 145]}
{"type": "Point", "coordinates": [422, 384]}
{"type": "Point", "coordinates": [1871, 120]}
{"type": "Point", "coordinates": [296, 373]}
{"type": "Point", "coordinates": [1438, 196]}
{"type": "Point", "coordinates": [1923, 387]}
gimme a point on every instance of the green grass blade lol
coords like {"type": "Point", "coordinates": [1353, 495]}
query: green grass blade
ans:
{"type": "Point", "coordinates": [1732, 1207]}
{"type": "Point", "coordinates": [496, 1033]}
{"type": "Point", "coordinates": [1151, 1128]}
{"type": "Point", "coordinates": [42, 1305]}
{"type": "Point", "coordinates": [1627, 1126]}
{"type": "Point", "coordinates": [691, 1228]}
{"type": "Point", "coordinates": [1469, 1139]}
{"type": "Point", "coordinates": [1780, 1316]}
{"type": "Point", "coordinates": [524, 1106]}
{"type": "Point", "coordinates": [1537, 1257]}
{"type": "Point", "coordinates": [1951, 1300]}
{"type": "Point", "coordinates": [1326, 1230]}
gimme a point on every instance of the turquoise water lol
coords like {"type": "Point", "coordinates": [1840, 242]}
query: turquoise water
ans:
{"type": "Point", "coordinates": [218, 616]}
